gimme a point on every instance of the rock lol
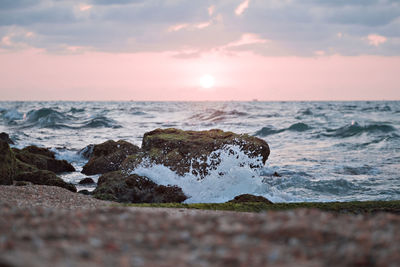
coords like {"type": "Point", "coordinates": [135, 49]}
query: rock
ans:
{"type": "Point", "coordinates": [84, 192]}
{"type": "Point", "coordinates": [43, 177]}
{"type": "Point", "coordinates": [108, 157]}
{"type": "Point", "coordinates": [249, 198]}
{"type": "Point", "coordinates": [87, 151]}
{"type": "Point", "coordinates": [275, 174]}
{"type": "Point", "coordinates": [8, 164]}
{"type": "Point", "coordinates": [42, 159]}
{"type": "Point", "coordinates": [40, 151]}
{"type": "Point", "coordinates": [183, 151]}
{"type": "Point", "coordinates": [22, 183]}
{"type": "Point", "coordinates": [86, 181]}
{"type": "Point", "coordinates": [133, 188]}
{"type": "Point", "coordinates": [5, 137]}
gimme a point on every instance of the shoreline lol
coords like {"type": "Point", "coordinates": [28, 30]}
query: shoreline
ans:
{"type": "Point", "coordinates": [51, 226]}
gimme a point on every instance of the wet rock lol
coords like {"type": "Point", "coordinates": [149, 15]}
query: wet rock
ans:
{"type": "Point", "coordinates": [108, 156]}
{"type": "Point", "coordinates": [183, 151]}
{"type": "Point", "coordinates": [42, 159]}
{"type": "Point", "coordinates": [84, 192]}
{"type": "Point", "coordinates": [87, 151]}
{"type": "Point", "coordinates": [133, 188]}
{"type": "Point", "coordinates": [275, 174]}
{"type": "Point", "coordinates": [5, 137]}
{"type": "Point", "coordinates": [43, 177]}
{"type": "Point", "coordinates": [8, 164]}
{"type": "Point", "coordinates": [249, 198]}
{"type": "Point", "coordinates": [86, 181]}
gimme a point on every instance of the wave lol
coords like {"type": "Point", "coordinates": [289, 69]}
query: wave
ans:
{"type": "Point", "coordinates": [233, 176]}
{"type": "Point", "coordinates": [296, 127]}
{"type": "Point", "coordinates": [213, 115]}
{"type": "Point", "coordinates": [357, 129]}
{"type": "Point", "coordinates": [47, 118]}
{"type": "Point", "coordinates": [306, 112]}
{"type": "Point", "coordinates": [101, 122]}
{"type": "Point", "coordinates": [265, 131]}
{"type": "Point", "coordinates": [76, 110]}
{"type": "Point", "coordinates": [299, 127]}
{"type": "Point", "coordinates": [139, 113]}
{"type": "Point", "coordinates": [362, 170]}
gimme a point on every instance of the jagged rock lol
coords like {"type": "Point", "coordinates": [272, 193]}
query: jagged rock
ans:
{"type": "Point", "coordinates": [43, 177]}
{"type": "Point", "coordinates": [42, 159]}
{"type": "Point", "coordinates": [108, 156]}
{"type": "Point", "coordinates": [87, 151]}
{"type": "Point", "coordinates": [8, 164]}
{"type": "Point", "coordinates": [183, 151]}
{"type": "Point", "coordinates": [5, 137]}
{"type": "Point", "coordinates": [249, 198]}
{"type": "Point", "coordinates": [133, 188]}
{"type": "Point", "coordinates": [86, 181]}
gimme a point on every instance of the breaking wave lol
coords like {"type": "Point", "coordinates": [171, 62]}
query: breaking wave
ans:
{"type": "Point", "coordinates": [357, 129]}
{"type": "Point", "coordinates": [296, 127]}
{"type": "Point", "coordinates": [233, 176]}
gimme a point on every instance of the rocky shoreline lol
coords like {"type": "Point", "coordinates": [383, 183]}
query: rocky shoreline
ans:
{"type": "Point", "coordinates": [44, 222]}
{"type": "Point", "coordinates": [195, 152]}
{"type": "Point", "coordinates": [51, 226]}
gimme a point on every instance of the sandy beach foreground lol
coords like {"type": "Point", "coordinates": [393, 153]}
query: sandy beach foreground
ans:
{"type": "Point", "coordinates": [50, 226]}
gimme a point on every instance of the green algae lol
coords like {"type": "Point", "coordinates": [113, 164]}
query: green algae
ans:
{"type": "Point", "coordinates": [353, 207]}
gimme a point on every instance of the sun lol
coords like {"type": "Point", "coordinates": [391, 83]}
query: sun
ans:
{"type": "Point", "coordinates": [207, 81]}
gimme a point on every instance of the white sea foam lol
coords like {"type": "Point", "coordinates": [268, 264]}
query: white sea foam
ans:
{"type": "Point", "coordinates": [233, 176]}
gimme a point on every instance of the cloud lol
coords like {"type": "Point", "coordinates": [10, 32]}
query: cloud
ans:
{"type": "Point", "coordinates": [247, 39]}
{"type": "Point", "coordinates": [291, 27]}
{"type": "Point", "coordinates": [211, 10]}
{"type": "Point", "coordinates": [85, 7]}
{"type": "Point", "coordinates": [242, 7]}
{"type": "Point", "coordinates": [376, 40]}
{"type": "Point", "coordinates": [178, 27]}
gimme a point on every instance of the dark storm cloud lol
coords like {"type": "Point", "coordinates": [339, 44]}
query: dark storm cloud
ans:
{"type": "Point", "coordinates": [293, 27]}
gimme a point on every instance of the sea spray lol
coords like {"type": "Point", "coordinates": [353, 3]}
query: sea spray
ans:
{"type": "Point", "coordinates": [231, 177]}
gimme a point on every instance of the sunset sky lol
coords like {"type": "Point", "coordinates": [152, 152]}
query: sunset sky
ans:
{"type": "Point", "coordinates": [200, 50]}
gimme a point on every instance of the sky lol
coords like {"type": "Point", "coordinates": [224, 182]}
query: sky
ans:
{"type": "Point", "coordinates": [165, 50]}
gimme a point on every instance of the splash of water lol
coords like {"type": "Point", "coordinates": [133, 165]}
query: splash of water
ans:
{"type": "Point", "coordinates": [231, 177]}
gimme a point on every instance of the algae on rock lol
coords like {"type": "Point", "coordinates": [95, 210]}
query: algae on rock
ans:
{"type": "Point", "coordinates": [184, 151]}
{"type": "Point", "coordinates": [8, 164]}
{"type": "Point", "coordinates": [133, 188]}
{"type": "Point", "coordinates": [108, 156]}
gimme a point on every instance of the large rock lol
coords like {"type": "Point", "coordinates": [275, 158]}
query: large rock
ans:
{"type": "Point", "coordinates": [42, 159]}
{"type": "Point", "coordinates": [250, 198]}
{"type": "Point", "coordinates": [8, 164]}
{"type": "Point", "coordinates": [135, 189]}
{"type": "Point", "coordinates": [5, 137]}
{"type": "Point", "coordinates": [183, 151]}
{"type": "Point", "coordinates": [42, 177]}
{"type": "Point", "coordinates": [86, 181]}
{"type": "Point", "coordinates": [108, 156]}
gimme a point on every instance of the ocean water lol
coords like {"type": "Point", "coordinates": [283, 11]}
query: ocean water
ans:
{"type": "Point", "coordinates": [324, 151]}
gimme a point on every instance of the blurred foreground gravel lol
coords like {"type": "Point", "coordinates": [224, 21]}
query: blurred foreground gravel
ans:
{"type": "Point", "coordinates": [49, 226]}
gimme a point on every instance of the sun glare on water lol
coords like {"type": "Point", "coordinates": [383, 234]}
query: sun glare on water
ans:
{"type": "Point", "coordinates": [207, 81]}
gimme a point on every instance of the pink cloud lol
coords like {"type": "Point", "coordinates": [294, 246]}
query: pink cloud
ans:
{"type": "Point", "coordinates": [211, 10]}
{"type": "Point", "coordinates": [178, 27]}
{"type": "Point", "coordinates": [242, 7]}
{"type": "Point", "coordinates": [376, 40]}
{"type": "Point", "coordinates": [247, 39]}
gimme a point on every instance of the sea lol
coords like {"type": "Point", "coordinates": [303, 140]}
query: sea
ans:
{"type": "Point", "coordinates": [322, 151]}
